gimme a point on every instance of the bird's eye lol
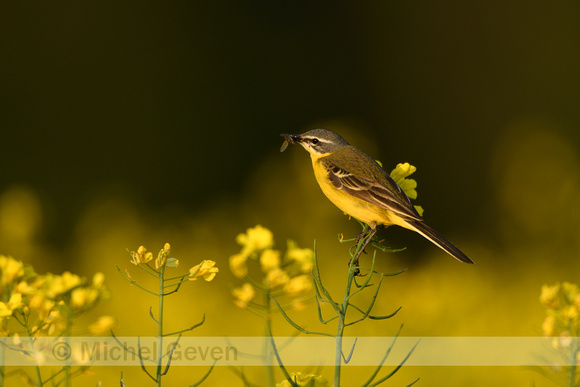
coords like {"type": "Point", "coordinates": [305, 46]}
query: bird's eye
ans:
{"type": "Point", "coordinates": [314, 141]}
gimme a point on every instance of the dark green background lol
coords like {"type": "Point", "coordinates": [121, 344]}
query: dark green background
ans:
{"type": "Point", "coordinates": [173, 103]}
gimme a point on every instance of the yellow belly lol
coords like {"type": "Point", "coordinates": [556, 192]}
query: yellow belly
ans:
{"type": "Point", "coordinates": [353, 206]}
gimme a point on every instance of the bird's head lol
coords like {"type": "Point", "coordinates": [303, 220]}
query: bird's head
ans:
{"type": "Point", "coordinates": [317, 141]}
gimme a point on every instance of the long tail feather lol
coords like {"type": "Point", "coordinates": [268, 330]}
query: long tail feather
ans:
{"type": "Point", "coordinates": [437, 239]}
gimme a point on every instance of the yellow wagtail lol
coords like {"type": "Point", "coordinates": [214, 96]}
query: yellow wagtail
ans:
{"type": "Point", "coordinates": [357, 184]}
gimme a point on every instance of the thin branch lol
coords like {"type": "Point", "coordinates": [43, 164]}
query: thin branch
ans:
{"type": "Point", "coordinates": [298, 326]}
{"type": "Point", "coordinates": [170, 356]}
{"type": "Point", "coordinates": [396, 368]}
{"type": "Point", "coordinates": [200, 381]}
{"type": "Point", "coordinates": [133, 282]}
{"type": "Point", "coordinates": [365, 284]}
{"type": "Point", "coordinates": [387, 316]}
{"type": "Point", "coordinates": [53, 376]}
{"type": "Point", "coordinates": [141, 360]}
{"type": "Point", "coordinates": [395, 273]}
{"type": "Point", "coordinates": [318, 285]}
{"type": "Point", "coordinates": [378, 368]}
{"type": "Point", "coordinates": [284, 371]}
{"type": "Point", "coordinates": [347, 359]}
{"type": "Point", "coordinates": [151, 315]}
{"type": "Point", "coordinates": [371, 304]}
{"type": "Point", "coordinates": [187, 329]}
{"type": "Point", "coordinates": [376, 371]}
{"type": "Point", "coordinates": [386, 249]}
{"type": "Point", "coordinates": [181, 276]}
{"type": "Point", "coordinates": [177, 286]}
{"type": "Point", "coordinates": [320, 313]}
{"type": "Point", "coordinates": [129, 350]}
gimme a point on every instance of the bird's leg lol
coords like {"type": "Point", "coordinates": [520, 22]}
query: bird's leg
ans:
{"type": "Point", "coordinates": [368, 234]}
{"type": "Point", "coordinates": [362, 235]}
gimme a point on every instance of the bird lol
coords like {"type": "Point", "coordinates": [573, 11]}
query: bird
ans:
{"type": "Point", "coordinates": [361, 188]}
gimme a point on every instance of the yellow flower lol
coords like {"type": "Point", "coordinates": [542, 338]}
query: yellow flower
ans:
{"type": "Point", "coordinates": [103, 325]}
{"type": "Point", "coordinates": [7, 308]}
{"type": "Point", "coordinates": [304, 257]}
{"type": "Point", "coordinates": [269, 259]}
{"type": "Point", "coordinates": [570, 312]}
{"type": "Point", "coordinates": [205, 268]}
{"type": "Point", "coordinates": [40, 301]}
{"type": "Point", "coordinates": [399, 175]}
{"type": "Point", "coordinates": [570, 291]}
{"type": "Point", "coordinates": [548, 326]}
{"type": "Point", "coordinates": [564, 340]}
{"type": "Point", "coordinates": [78, 297]}
{"type": "Point", "coordinates": [55, 322]}
{"type": "Point", "coordinates": [141, 256]}
{"type": "Point", "coordinates": [55, 285]}
{"type": "Point", "coordinates": [243, 295]}
{"type": "Point", "coordinates": [24, 287]}
{"type": "Point", "coordinates": [98, 280]}
{"type": "Point", "coordinates": [276, 277]}
{"type": "Point", "coordinates": [162, 257]}
{"type": "Point", "coordinates": [255, 239]}
{"type": "Point", "coordinates": [419, 210]}
{"type": "Point", "coordinates": [69, 281]}
{"type": "Point", "coordinates": [298, 284]}
{"type": "Point", "coordinates": [10, 269]}
{"type": "Point", "coordinates": [84, 297]}
{"type": "Point", "coordinates": [562, 303]}
{"type": "Point", "coordinates": [305, 380]}
{"type": "Point", "coordinates": [238, 265]}
{"type": "Point", "coordinates": [297, 304]}
{"type": "Point", "coordinates": [549, 297]}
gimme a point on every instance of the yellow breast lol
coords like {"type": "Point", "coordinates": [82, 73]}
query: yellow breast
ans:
{"type": "Point", "coordinates": [353, 206]}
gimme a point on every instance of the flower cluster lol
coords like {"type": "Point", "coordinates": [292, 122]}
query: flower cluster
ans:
{"type": "Point", "coordinates": [205, 269]}
{"type": "Point", "coordinates": [562, 303]}
{"type": "Point", "coordinates": [287, 273]}
{"type": "Point", "coordinates": [46, 304]}
{"type": "Point", "coordinates": [168, 284]}
{"type": "Point", "coordinates": [305, 380]}
{"type": "Point", "coordinates": [399, 175]}
{"type": "Point", "coordinates": [142, 257]}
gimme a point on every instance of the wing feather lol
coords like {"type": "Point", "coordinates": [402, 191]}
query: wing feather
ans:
{"type": "Point", "coordinates": [372, 185]}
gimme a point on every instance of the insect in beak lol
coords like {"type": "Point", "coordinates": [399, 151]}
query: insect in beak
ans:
{"type": "Point", "coordinates": [289, 139]}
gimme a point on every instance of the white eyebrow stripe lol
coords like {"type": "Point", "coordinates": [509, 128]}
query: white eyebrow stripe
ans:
{"type": "Point", "coordinates": [318, 138]}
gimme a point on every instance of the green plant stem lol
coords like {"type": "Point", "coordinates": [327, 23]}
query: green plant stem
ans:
{"type": "Point", "coordinates": [67, 334]}
{"type": "Point", "coordinates": [36, 366]}
{"type": "Point", "coordinates": [161, 298]}
{"type": "Point", "coordinates": [341, 322]}
{"type": "Point", "coordinates": [338, 354]}
{"type": "Point", "coordinates": [352, 269]}
{"type": "Point", "coordinates": [268, 355]}
{"type": "Point", "coordinates": [2, 356]}
{"type": "Point", "coordinates": [573, 353]}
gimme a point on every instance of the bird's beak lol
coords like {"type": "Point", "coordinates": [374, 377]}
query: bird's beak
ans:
{"type": "Point", "coordinates": [289, 139]}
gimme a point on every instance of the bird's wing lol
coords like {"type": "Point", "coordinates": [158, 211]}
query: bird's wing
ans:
{"type": "Point", "coordinates": [372, 185]}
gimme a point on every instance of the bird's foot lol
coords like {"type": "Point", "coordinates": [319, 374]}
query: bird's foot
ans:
{"type": "Point", "coordinates": [366, 236]}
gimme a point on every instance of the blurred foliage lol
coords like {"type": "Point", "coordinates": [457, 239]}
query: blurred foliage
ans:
{"type": "Point", "coordinates": [562, 325]}
{"type": "Point", "coordinates": [35, 306]}
{"type": "Point", "coordinates": [287, 276]}
{"type": "Point", "coordinates": [128, 124]}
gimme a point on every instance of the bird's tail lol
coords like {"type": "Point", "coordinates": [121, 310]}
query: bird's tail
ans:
{"type": "Point", "coordinates": [437, 239]}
